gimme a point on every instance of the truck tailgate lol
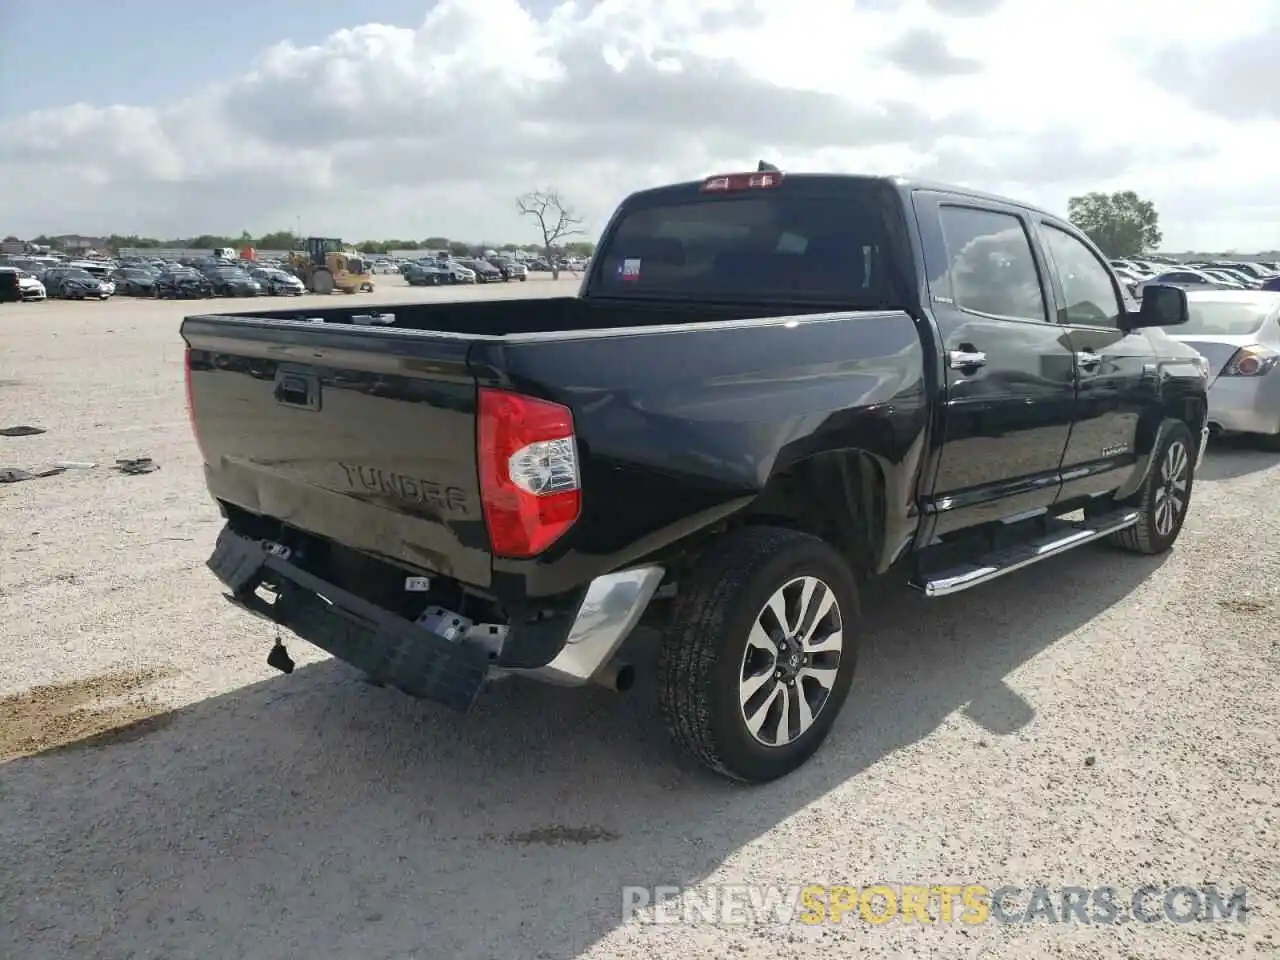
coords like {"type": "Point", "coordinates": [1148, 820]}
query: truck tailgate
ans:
{"type": "Point", "coordinates": [363, 435]}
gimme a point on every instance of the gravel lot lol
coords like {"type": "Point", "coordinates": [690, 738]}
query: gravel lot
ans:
{"type": "Point", "coordinates": [1100, 719]}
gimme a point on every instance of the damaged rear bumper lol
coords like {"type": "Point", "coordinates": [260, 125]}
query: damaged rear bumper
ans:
{"type": "Point", "coordinates": [413, 657]}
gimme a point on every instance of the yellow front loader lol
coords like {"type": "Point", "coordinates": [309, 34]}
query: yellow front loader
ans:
{"type": "Point", "coordinates": [327, 266]}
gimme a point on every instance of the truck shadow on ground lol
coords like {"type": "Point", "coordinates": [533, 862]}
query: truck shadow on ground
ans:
{"type": "Point", "coordinates": [315, 813]}
{"type": "Point", "coordinates": [1231, 457]}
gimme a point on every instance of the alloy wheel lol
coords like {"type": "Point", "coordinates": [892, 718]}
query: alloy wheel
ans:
{"type": "Point", "coordinates": [1171, 494]}
{"type": "Point", "coordinates": [791, 661]}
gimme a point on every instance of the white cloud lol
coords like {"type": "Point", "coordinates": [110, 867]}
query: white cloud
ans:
{"type": "Point", "coordinates": [385, 131]}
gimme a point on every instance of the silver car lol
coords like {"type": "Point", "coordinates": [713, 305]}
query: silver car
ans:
{"type": "Point", "coordinates": [1238, 332]}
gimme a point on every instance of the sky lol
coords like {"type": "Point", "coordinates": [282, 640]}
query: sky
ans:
{"type": "Point", "coordinates": [408, 119]}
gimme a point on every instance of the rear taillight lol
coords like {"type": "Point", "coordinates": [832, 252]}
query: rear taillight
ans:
{"type": "Point", "coordinates": [725, 183]}
{"type": "Point", "coordinates": [528, 459]}
{"type": "Point", "coordinates": [1251, 362]}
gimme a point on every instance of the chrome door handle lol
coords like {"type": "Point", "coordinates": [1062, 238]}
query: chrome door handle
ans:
{"type": "Point", "coordinates": [1088, 360]}
{"type": "Point", "coordinates": [963, 359]}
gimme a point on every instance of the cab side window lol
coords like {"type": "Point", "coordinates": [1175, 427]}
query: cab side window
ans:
{"type": "Point", "coordinates": [1091, 298]}
{"type": "Point", "coordinates": [990, 264]}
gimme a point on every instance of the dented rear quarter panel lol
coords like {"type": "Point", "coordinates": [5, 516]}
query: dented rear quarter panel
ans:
{"type": "Point", "coordinates": [681, 426]}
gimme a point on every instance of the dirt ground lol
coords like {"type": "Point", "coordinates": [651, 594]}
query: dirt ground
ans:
{"type": "Point", "coordinates": [1095, 720]}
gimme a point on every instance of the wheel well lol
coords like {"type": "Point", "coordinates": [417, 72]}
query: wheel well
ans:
{"type": "Point", "coordinates": [838, 496]}
{"type": "Point", "coordinates": [1190, 410]}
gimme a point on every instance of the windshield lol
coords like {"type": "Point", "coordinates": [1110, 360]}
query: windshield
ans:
{"type": "Point", "coordinates": [231, 273]}
{"type": "Point", "coordinates": [766, 245]}
{"type": "Point", "coordinates": [1226, 318]}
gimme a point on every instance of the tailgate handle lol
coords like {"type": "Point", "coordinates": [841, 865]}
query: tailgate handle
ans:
{"type": "Point", "coordinates": [298, 390]}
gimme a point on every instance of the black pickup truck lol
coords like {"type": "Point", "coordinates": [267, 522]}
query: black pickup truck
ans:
{"type": "Point", "coordinates": [771, 390]}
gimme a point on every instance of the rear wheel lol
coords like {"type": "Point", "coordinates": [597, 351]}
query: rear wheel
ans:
{"type": "Point", "coordinates": [760, 653]}
{"type": "Point", "coordinates": [1165, 495]}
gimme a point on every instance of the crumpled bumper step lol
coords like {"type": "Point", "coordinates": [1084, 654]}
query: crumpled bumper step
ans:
{"type": "Point", "coordinates": [390, 649]}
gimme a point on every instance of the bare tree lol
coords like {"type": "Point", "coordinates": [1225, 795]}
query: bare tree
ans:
{"type": "Point", "coordinates": [555, 219]}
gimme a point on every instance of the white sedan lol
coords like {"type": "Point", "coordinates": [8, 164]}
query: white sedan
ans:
{"type": "Point", "coordinates": [1238, 332]}
{"type": "Point", "coordinates": [30, 286]}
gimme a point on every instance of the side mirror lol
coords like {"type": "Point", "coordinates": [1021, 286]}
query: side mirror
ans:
{"type": "Point", "coordinates": [1162, 306]}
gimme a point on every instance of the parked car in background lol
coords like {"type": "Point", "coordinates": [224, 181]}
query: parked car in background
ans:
{"type": "Point", "coordinates": [510, 269]}
{"type": "Point", "coordinates": [232, 282]}
{"type": "Point", "coordinates": [135, 282]}
{"type": "Point", "coordinates": [426, 273]}
{"type": "Point", "coordinates": [101, 270]}
{"type": "Point", "coordinates": [30, 288]}
{"type": "Point", "coordinates": [459, 273]}
{"type": "Point", "coordinates": [1228, 279]}
{"type": "Point", "coordinates": [1254, 270]}
{"type": "Point", "coordinates": [73, 283]}
{"type": "Point", "coordinates": [1243, 277]}
{"type": "Point", "coordinates": [1181, 276]}
{"type": "Point", "coordinates": [278, 283]}
{"type": "Point", "coordinates": [485, 272]}
{"type": "Point", "coordinates": [1238, 332]}
{"type": "Point", "coordinates": [183, 283]}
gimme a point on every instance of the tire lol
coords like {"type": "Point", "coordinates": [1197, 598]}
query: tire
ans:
{"type": "Point", "coordinates": [705, 654]}
{"type": "Point", "coordinates": [322, 282]}
{"type": "Point", "coordinates": [1173, 464]}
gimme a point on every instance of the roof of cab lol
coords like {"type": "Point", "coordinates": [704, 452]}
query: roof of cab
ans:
{"type": "Point", "coordinates": [904, 185]}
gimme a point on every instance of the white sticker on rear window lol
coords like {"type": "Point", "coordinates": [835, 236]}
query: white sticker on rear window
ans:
{"type": "Point", "coordinates": [630, 269]}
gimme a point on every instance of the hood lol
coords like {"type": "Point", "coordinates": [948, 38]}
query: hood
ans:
{"type": "Point", "coordinates": [29, 283]}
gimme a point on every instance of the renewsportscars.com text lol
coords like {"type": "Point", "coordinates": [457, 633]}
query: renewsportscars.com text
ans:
{"type": "Point", "coordinates": [970, 904]}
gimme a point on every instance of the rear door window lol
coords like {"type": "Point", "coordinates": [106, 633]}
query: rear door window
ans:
{"type": "Point", "coordinates": [765, 245]}
{"type": "Point", "coordinates": [990, 264]}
